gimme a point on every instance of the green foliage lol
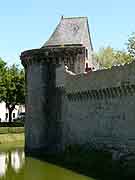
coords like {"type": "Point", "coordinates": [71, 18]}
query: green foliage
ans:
{"type": "Point", "coordinates": [12, 87]}
{"type": "Point", "coordinates": [11, 140]}
{"type": "Point", "coordinates": [131, 45]}
{"type": "Point", "coordinates": [105, 57]}
{"type": "Point", "coordinates": [122, 57]}
{"type": "Point", "coordinates": [2, 64]}
{"type": "Point", "coordinates": [108, 57]}
{"type": "Point", "coordinates": [13, 124]}
{"type": "Point", "coordinates": [2, 67]}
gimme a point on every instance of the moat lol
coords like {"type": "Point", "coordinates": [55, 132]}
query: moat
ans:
{"type": "Point", "coordinates": [14, 165]}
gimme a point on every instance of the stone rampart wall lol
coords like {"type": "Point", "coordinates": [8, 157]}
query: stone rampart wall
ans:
{"type": "Point", "coordinates": [101, 79]}
{"type": "Point", "coordinates": [101, 108]}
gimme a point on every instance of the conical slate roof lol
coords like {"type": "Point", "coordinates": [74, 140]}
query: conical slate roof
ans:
{"type": "Point", "coordinates": [70, 31]}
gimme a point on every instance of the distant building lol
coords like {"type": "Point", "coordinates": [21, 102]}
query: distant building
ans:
{"type": "Point", "coordinates": [74, 32]}
{"type": "Point", "coordinates": [4, 114]}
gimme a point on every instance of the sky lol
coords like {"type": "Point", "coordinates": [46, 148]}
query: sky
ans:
{"type": "Point", "coordinates": [27, 24]}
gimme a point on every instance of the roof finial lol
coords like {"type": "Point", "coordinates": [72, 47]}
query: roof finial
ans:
{"type": "Point", "coordinates": [62, 17]}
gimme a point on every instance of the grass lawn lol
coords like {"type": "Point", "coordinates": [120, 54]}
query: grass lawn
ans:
{"type": "Point", "coordinates": [9, 130]}
{"type": "Point", "coordinates": [11, 136]}
{"type": "Point", "coordinates": [11, 146]}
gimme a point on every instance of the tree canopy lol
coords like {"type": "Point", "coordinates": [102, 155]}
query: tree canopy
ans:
{"type": "Point", "coordinates": [122, 57]}
{"type": "Point", "coordinates": [105, 57]}
{"type": "Point", "coordinates": [131, 45]}
{"type": "Point", "coordinates": [2, 66]}
{"type": "Point", "coordinates": [12, 88]}
{"type": "Point", "coordinates": [108, 57]}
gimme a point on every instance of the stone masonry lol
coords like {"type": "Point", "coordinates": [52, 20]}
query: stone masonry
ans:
{"type": "Point", "coordinates": [95, 109]}
{"type": "Point", "coordinates": [45, 94]}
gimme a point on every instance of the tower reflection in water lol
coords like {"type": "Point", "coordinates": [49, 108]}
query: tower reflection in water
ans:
{"type": "Point", "coordinates": [14, 160]}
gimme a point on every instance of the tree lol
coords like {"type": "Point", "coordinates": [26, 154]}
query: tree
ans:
{"type": "Point", "coordinates": [122, 57]}
{"type": "Point", "coordinates": [12, 88]}
{"type": "Point", "coordinates": [105, 57]}
{"type": "Point", "coordinates": [2, 66]}
{"type": "Point", "coordinates": [108, 57]}
{"type": "Point", "coordinates": [131, 45]}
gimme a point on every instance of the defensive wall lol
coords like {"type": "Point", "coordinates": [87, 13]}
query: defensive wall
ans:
{"type": "Point", "coordinates": [101, 108]}
{"type": "Point", "coordinates": [95, 109]}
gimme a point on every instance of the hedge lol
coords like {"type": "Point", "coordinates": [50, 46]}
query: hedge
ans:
{"type": "Point", "coordinates": [12, 124]}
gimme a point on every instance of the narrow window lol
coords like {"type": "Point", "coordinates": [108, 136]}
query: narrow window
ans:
{"type": "Point", "coordinates": [13, 115]}
{"type": "Point", "coordinates": [6, 115]}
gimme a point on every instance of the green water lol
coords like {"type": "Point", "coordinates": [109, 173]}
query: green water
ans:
{"type": "Point", "coordinates": [15, 166]}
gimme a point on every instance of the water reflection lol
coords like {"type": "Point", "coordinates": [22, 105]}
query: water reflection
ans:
{"type": "Point", "coordinates": [14, 159]}
{"type": "Point", "coordinates": [15, 166]}
{"type": "Point", "coordinates": [3, 163]}
{"type": "Point", "coordinates": [17, 160]}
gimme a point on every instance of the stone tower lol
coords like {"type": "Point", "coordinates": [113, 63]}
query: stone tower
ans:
{"type": "Point", "coordinates": [70, 45]}
{"type": "Point", "coordinates": [74, 31]}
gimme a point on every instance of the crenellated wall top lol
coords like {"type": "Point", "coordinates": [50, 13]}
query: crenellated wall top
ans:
{"type": "Point", "coordinates": [50, 54]}
{"type": "Point", "coordinates": [117, 76]}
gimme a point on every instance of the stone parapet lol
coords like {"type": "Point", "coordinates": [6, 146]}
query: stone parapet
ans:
{"type": "Point", "coordinates": [50, 55]}
{"type": "Point", "coordinates": [102, 80]}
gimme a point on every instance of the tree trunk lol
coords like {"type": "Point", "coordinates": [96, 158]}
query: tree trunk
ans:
{"type": "Point", "coordinates": [10, 110]}
{"type": "Point", "coordinates": [10, 114]}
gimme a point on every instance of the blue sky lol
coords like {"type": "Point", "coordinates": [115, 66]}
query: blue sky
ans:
{"type": "Point", "coordinates": [28, 24]}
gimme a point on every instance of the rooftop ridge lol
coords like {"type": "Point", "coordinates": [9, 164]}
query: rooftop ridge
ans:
{"type": "Point", "coordinates": [75, 17]}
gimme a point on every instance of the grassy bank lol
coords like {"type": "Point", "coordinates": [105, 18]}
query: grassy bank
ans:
{"type": "Point", "coordinates": [11, 145]}
{"type": "Point", "coordinates": [12, 135]}
{"type": "Point", "coordinates": [11, 130]}
{"type": "Point", "coordinates": [12, 138]}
